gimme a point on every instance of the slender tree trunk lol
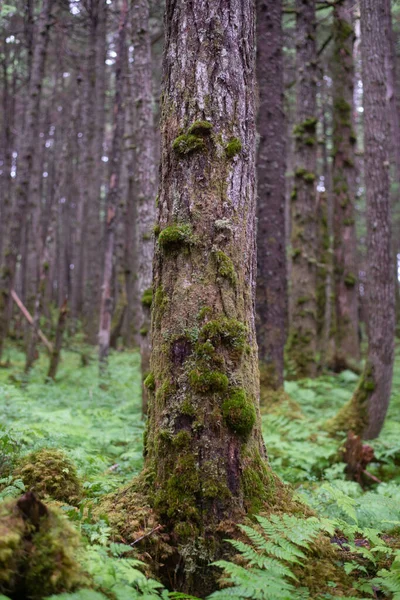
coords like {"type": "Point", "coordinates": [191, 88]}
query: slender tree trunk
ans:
{"type": "Point", "coordinates": [271, 297]}
{"type": "Point", "coordinates": [25, 162]}
{"type": "Point", "coordinates": [392, 95]}
{"type": "Point", "coordinates": [301, 347]}
{"type": "Point", "coordinates": [144, 172]}
{"type": "Point", "coordinates": [347, 347]}
{"type": "Point", "coordinates": [56, 352]}
{"type": "Point", "coordinates": [365, 413]}
{"type": "Point", "coordinates": [113, 195]}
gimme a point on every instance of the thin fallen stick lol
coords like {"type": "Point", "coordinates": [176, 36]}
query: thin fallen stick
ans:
{"type": "Point", "coordinates": [146, 535]}
{"type": "Point", "coordinates": [29, 318]}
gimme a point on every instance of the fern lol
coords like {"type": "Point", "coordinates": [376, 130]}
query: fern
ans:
{"type": "Point", "coordinates": [389, 580]}
{"type": "Point", "coordinates": [277, 544]}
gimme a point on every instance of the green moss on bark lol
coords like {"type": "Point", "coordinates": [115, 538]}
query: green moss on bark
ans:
{"type": "Point", "coordinates": [147, 297]}
{"type": "Point", "coordinates": [175, 236]}
{"type": "Point", "coordinates": [188, 144]}
{"type": "Point", "coordinates": [239, 412]}
{"type": "Point", "coordinates": [233, 147]}
{"type": "Point", "coordinates": [225, 266]}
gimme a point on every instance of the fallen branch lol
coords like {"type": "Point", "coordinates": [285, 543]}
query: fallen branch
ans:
{"type": "Point", "coordinates": [29, 318]}
{"type": "Point", "coordinates": [146, 535]}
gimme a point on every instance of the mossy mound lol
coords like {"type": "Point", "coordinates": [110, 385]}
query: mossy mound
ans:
{"type": "Point", "coordinates": [39, 551]}
{"type": "Point", "coordinates": [50, 474]}
{"type": "Point", "coordinates": [323, 571]}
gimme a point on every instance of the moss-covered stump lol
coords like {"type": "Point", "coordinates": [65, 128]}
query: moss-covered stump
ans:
{"type": "Point", "coordinates": [50, 474]}
{"type": "Point", "coordinates": [39, 551]}
{"type": "Point", "coordinates": [279, 401]}
{"type": "Point", "coordinates": [353, 416]}
{"type": "Point", "coordinates": [176, 553]}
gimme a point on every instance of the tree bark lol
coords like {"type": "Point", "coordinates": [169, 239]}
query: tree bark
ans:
{"type": "Point", "coordinates": [301, 347]}
{"type": "Point", "coordinates": [347, 347]}
{"type": "Point", "coordinates": [56, 352]}
{"type": "Point", "coordinates": [19, 216]}
{"type": "Point", "coordinates": [366, 411]}
{"type": "Point", "coordinates": [271, 297]}
{"type": "Point", "coordinates": [204, 444]}
{"type": "Point", "coordinates": [144, 182]}
{"type": "Point", "coordinates": [106, 306]}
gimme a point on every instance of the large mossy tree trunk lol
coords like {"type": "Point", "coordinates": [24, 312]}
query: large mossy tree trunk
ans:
{"type": "Point", "coordinates": [302, 340]}
{"type": "Point", "coordinates": [366, 411]}
{"type": "Point", "coordinates": [144, 174]}
{"type": "Point", "coordinates": [204, 446]}
{"type": "Point", "coordinates": [347, 346]}
{"type": "Point", "coordinates": [19, 216]}
{"type": "Point", "coordinates": [271, 296]}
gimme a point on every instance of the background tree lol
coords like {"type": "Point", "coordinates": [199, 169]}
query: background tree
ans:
{"type": "Point", "coordinates": [301, 347]}
{"type": "Point", "coordinates": [366, 411]}
{"type": "Point", "coordinates": [271, 297]}
{"type": "Point", "coordinates": [347, 347]}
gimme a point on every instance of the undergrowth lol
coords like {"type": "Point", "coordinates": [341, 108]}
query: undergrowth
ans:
{"type": "Point", "coordinates": [350, 549]}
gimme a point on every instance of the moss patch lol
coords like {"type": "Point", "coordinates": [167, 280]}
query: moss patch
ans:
{"type": "Point", "coordinates": [49, 473]}
{"type": "Point", "coordinates": [233, 147]}
{"type": "Point", "coordinates": [188, 144]}
{"type": "Point", "coordinates": [147, 297]}
{"type": "Point", "coordinates": [173, 237]}
{"type": "Point", "coordinates": [208, 381]}
{"type": "Point", "coordinates": [200, 128]}
{"type": "Point", "coordinates": [239, 412]}
{"type": "Point", "coordinates": [225, 266]}
{"type": "Point", "coordinates": [39, 551]}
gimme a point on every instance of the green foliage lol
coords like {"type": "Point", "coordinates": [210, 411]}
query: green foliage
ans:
{"type": "Point", "coordinates": [274, 547]}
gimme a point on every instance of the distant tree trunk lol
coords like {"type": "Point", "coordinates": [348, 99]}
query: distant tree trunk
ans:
{"type": "Point", "coordinates": [271, 296]}
{"type": "Point", "coordinates": [19, 216]}
{"type": "Point", "coordinates": [144, 172]}
{"type": "Point", "coordinates": [347, 347]}
{"type": "Point", "coordinates": [302, 341]}
{"type": "Point", "coordinates": [56, 352]}
{"type": "Point", "coordinates": [94, 127]}
{"type": "Point", "coordinates": [365, 413]}
{"type": "Point", "coordinates": [392, 95]}
{"type": "Point", "coordinates": [106, 306]}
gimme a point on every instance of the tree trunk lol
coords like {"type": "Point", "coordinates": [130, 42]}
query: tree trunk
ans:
{"type": "Point", "coordinates": [56, 352]}
{"type": "Point", "coordinates": [144, 173]}
{"type": "Point", "coordinates": [365, 413]}
{"type": "Point", "coordinates": [204, 444]}
{"type": "Point", "coordinates": [347, 347]}
{"type": "Point", "coordinates": [271, 297]}
{"type": "Point", "coordinates": [301, 347]}
{"type": "Point", "coordinates": [19, 217]}
{"type": "Point", "coordinates": [106, 306]}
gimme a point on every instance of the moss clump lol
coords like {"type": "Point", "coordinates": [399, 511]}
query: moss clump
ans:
{"type": "Point", "coordinates": [147, 297]}
{"type": "Point", "coordinates": [178, 498]}
{"type": "Point", "coordinates": [200, 128]}
{"type": "Point", "coordinates": [188, 144]}
{"type": "Point", "coordinates": [233, 147]}
{"type": "Point", "coordinates": [239, 412]}
{"type": "Point", "coordinates": [49, 473]}
{"type": "Point", "coordinates": [187, 408]}
{"type": "Point", "coordinates": [208, 381]}
{"type": "Point", "coordinates": [225, 266]}
{"type": "Point", "coordinates": [39, 551]}
{"type": "Point", "coordinates": [350, 280]}
{"type": "Point", "coordinates": [230, 332]}
{"type": "Point", "coordinates": [150, 382]}
{"type": "Point", "coordinates": [173, 237]}
{"type": "Point", "coordinates": [293, 194]}
{"type": "Point", "coordinates": [305, 132]}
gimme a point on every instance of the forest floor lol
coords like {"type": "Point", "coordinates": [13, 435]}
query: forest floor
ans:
{"type": "Point", "coordinates": [99, 427]}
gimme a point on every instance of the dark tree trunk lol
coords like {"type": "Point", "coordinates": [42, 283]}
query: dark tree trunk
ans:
{"type": "Point", "coordinates": [302, 341]}
{"type": "Point", "coordinates": [106, 306]}
{"type": "Point", "coordinates": [25, 162]}
{"type": "Point", "coordinates": [365, 413]}
{"type": "Point", "coordinates": [347, 347]}
{"type": "Point", "coordinates": [271, 297]}
{"type": "Point", "coordinates": [144, 169]}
